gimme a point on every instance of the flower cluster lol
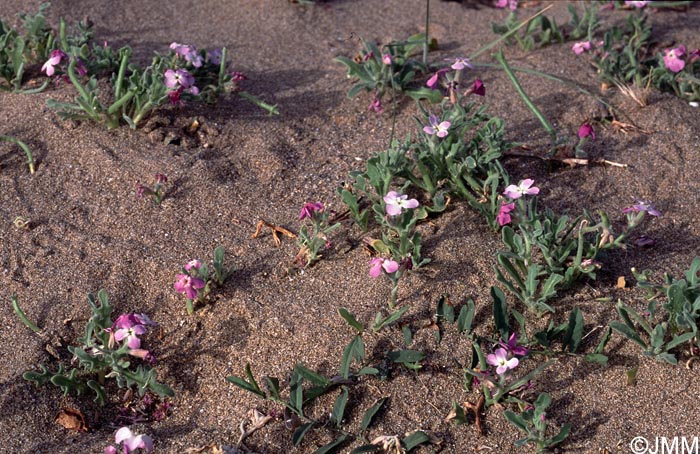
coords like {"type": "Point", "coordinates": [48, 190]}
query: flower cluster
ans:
{"type": "Point", "coordinates": [189, 284]}
{"type": "Point", "coordinates": [156, 192]}
{"type": "Point", "coordinates": [127, 328]}
{"type": "Point", "coordinates": [504, 357]}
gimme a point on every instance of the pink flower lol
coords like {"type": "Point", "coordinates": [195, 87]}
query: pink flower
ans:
{"type": "Point", "coordinates": [189, 52]}
{"type": "Point", "coordinates": [386, 59]}
{"type": "Point", "coordinates": [308, 210]}
{"type": "Point", "coordinates": [586, 130]}
{"type": "Point", "coordinates": [642, 205]}
{"type": "Point", "coordinates": [439, 129]}
{"type": "Point", "coordinates": [637, 3]}
{"type": "Point", "coordinates": [503, 217]}
{"type": "Point", "coordinates": [581, 47]}
{"type": "Point", "coordinates": [376, 105]}
{"type": "Point", "coordinates": [461, 63]}
{"type": "Point", "coordinates": [56, 56]}
{"type": "Point", "coordinates": [434, 78]}
{"type": "Point", "coordinates": [673, 60]}
{"type": "Point", "coordinates": [131, 335]}
{"type": "Point", "coordinates": [395, 203]}
{"type": "Point", "coordinates": [377, 263]}
{"type": "Point", "coordinates": [196, 264]}
{"type": "Point", "coordinates": [501, 361]}
{"type": "Point", "coordinates": [238, 76]}
{"type": "Point", "coordinates": [512, 4]}
{"type": "Point", "coordinates": [523, 188]}
{"type": "Point", "coordinates": [188, 285]}
{"type": "Point", "coordinates": [512, 346]}
{"type": "Point", "coordinates": [178, 78]}
{"type": "Point", "coordinates": [132, 442]}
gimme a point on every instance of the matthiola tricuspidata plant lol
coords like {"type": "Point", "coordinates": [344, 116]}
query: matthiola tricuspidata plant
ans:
{"type": "Point", "coordinates": [155, 192]}
{"type": "Point", "coordinates": [110, 349]}
{"type": "Point", "coordinates": [196, 280]}
{"type": "Point", "coordinates": [313, 238]}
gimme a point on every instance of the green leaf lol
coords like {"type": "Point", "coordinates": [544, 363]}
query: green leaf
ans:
{"type": "Point", "coordinates": [355, 349]}
{"type": "Point", "coordinates": [574, 332]}
{"type": "Point", "coordinates": [597, 358]}
{"type": "Point", "coordinates": [516, 420]}
{"type": "Point", "coordinates": [301, 432]}
{"type": "Point", "coordinates": [351, 320]}
{"type": "Point", "coordinates": [296, 393]}
{"type": "Point", "coordinates": [603, 340]}
{"type": "Point", "coordinates": [558, 438]}
{"type": "Point", "coordinates": [339, 407]}
{"type": "Point", "coordinates": [445, 310]}
{"type": "Point", "coordinates": [371, 413]}
{"type": "Point", "coordinates": [273, 386]}
{"type": "Point", "coordinates": [416, 438]}
{"type": "Point", "coordinates": [408, 336]}
{"type": "Point", "coordinates": [678, 340]}
{"type": "Point", "coordinates": [627, 332]}
{"type": "Point", "coordinates": [466, 317]}
{"type": "Point", "coordinates": [433, 96]}
{"type": "Point", "coordinates": [500, 312]}
{"type": "Point", "coordinates": [406, 356]}
{"type": "Point", "coordinates": [368, 371]}
{"type": "Point", "coordinates": [333, 446]}
{"type": "Point", "coordinates": [311, 376]}
{"type": "Point", "coordinates": [241, 383]}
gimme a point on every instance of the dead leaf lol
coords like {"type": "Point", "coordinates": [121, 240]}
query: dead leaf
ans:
{"type": "Point", "coordinates": [276, 230]}
{"type": "Point", "coordinates": [72, 419]}
{"type": "Point", "coordinates": [621, 283]}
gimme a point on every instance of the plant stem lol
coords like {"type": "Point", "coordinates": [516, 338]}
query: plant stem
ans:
{"type": "Point", "coordinates": [190, 307]}
{"type": "Point", "coordinates": [22, 316]}
{"type": "Point", "coordinates": [427, 28]}
{"type": "Point", "coordinates": [514, 80]}
{"type": "Point", "coordinates": [23, 146]}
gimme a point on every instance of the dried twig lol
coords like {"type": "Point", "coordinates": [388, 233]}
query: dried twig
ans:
{"type": "Point", "coordinates": [276, 230]}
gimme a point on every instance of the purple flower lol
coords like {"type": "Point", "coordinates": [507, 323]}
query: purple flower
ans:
{"type": "Point", "coordinates": [140, 190]}
{"type": "Point", "coordinates": [196, 264]}
{"type": "Point", "coordinates": [131, 335]}
{"type": "Point", "coordinates": [160, 178]}
{"type": "Point", "coordinates": [214, 56]}
{"type": "Point", "coordinates": [673, 60]}
{"type": "Point", "coordinates": [189, 52]}
{"type": "Point", "coordinates": [523, 188]}
{"type": "Point", "coordinates": [461, 63]}
{"type": "Point", "coordinates": [434, 78]}
{"type": "Point", "coordinates": [586, 130]}
{"type": "Point", "coordinates": [56, 56]}
{"type": "Point", "coordinates": [503, 217]}
{"type": "Point", "coordinates": [642, 206]}
{"type": "Point", "coordinates": [501, 361]}
{"type": "Point", "coordinates": [512, 346]}
{"type": "Point", "coordinates": [180, 77]}
{"type": "Point", "coordinates": [386, 59]}
{"type": "Point", "coordinates": [637, 3]}
{"type": "Point", "coordinates": [131, 442]}
{"type": "Point", "coordinates": [188, 285]}
{"type": "Point", "coordinates": [377, 263]}
{"type": "Point", "coordinates": [439, 129]}
{"type": "Point", "coordinates": [478, 88]}
{"type": "Point", "coordinates": [512, 4]}
{"type": "Point", "coordinates": [581, 47]}
{"type": "Point", "coordinates": [308, 210]}
{"type": "Point", "coordinates": [395, 203]}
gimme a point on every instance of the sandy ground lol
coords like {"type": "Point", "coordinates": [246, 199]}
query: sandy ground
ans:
{"type": "Point", "coordinates": [89, 231]}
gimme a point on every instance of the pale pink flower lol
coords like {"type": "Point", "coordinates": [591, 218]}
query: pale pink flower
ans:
{"type": "Point", "coordinates": [512, 4]}
{"type": "Point", "coordinates": [523, 188]}
{"type": "Point", "coordinates": [581, 47]}
{"type": "Point", "coordinates": [56, 56]}
{"type": "Point", "coordinates": [436, 127]}
{"type": "Point", "coordinates": [500, 359]}
{"type": "Point", "coordinates": [503, 217]}
{"type": "Point", "coordinates": [378, 263]}
{"type": "Point", "coordinates": [386, 59]}
{"type": "Point", "coordinates": [395, 203]}
{"type": "Point", "coordinates": [673, 60]}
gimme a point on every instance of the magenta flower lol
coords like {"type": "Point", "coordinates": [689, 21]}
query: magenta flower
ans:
{"type": "Point", "coordinates": [386, 59]}
{"type": "Point", "coordinates": [130, 320]}
{"type": "Point", "coordinates": [637, 3]}
{"type": "Point", "coordinates": [130, 442]}
{"type": "Point", "coordinates": [378, 263]}
{"type": "Point", "coordinates": [586, 130]}
{"type": "Point", "coordinates": [512, 4]}
{"type": "Point", "coordinates": [238, 76]}
{"type": "Point", "coordinates": [501, 361]}
{"type": "Point", "coordinates": [581, 47]}
{"type": "Point", "coordinates": [478, 88]}
{"type": "Point", "coordinates": [188, 285]}
{"type": "Point", "coordinates": [395, 203]}
{"type": "Point", "coordinates": [174, 96]}
{"type": "Point", "coordinates": [376, 105]}
{"type": "Point", "coordinates": [434, 78]}
{"type": "Point", "coordinates": [308, 210]}
{"type": "Point", "coordinates": [512, 346]}
{"type": "Point", "coordinates": [461, 63]}
{"type": "Point", "coordinates": [196, 264]}
{"type": "Point", "coordinates": [160, 178]}
{"type": "Point", "coordinates": [523, 188]}
{"type": "Point", "coordinates": [179, 78]}
{"type": "Point", "coordinates": [439, 129]}
{"type": "Point", "coordinates": [503, 217]}
{"type": "Point", "coordinates": [130, 335]}
{"type": "Point", "coordinates": [673, 60]}
{"type": "Point", "coordinates": [642, 206]}
{"type": "Point", "coordinates": [56, 56]}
